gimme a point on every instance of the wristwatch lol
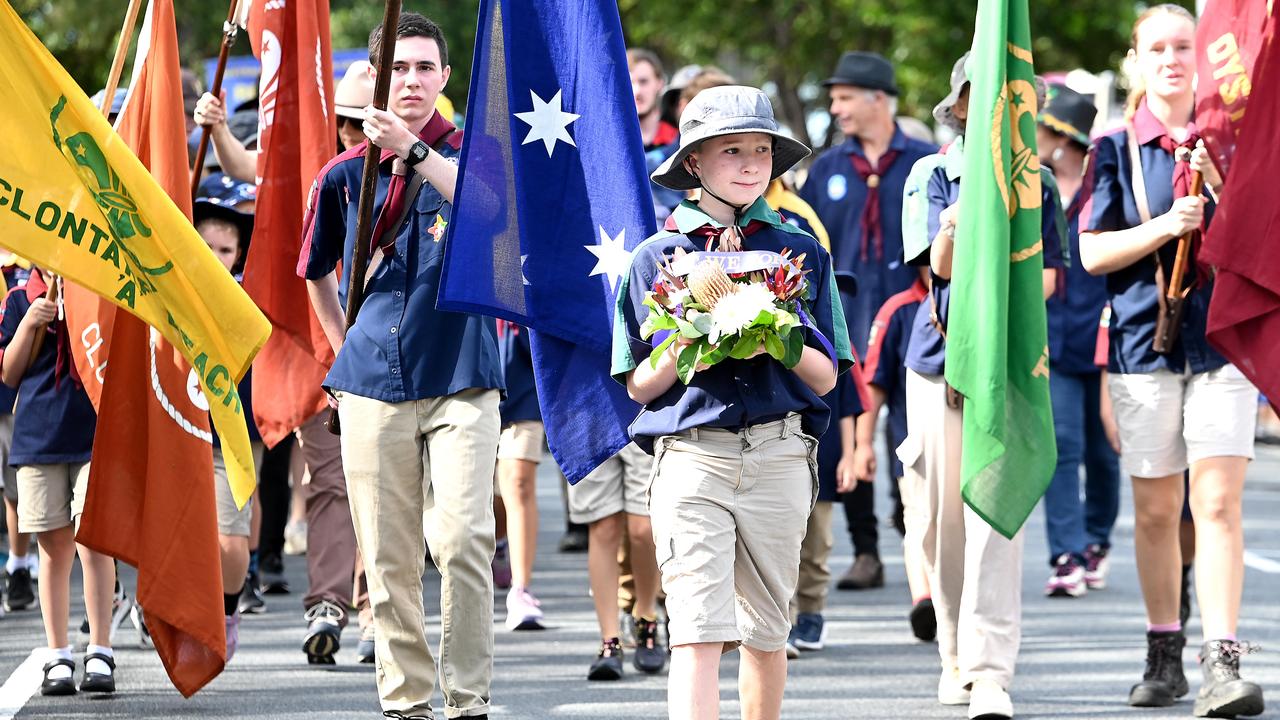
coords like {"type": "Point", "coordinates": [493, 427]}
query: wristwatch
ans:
{"type": "Point", "coordinates": [417, 153]}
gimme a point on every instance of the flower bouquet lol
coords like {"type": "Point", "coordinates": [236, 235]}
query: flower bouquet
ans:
{"type": "Point", "coordinates": [722, 314]}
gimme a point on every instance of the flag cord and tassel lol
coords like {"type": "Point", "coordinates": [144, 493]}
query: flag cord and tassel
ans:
{"type": "Point", "coordinates": [369, 183]}
{"type": "Point", "coordinates": [229, 30]}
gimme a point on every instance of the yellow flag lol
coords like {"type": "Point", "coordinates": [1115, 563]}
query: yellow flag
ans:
{"type": "Point", "coordinates": [75, 199]}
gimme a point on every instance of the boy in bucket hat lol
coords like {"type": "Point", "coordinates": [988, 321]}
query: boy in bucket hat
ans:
{"type": "Point", "coordinates": [734, 450]}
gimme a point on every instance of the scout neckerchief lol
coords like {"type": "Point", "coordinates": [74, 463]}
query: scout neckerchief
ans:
{"type": "Point", "coordinates": [870, 218]}
{"type": "Point", "coordinates": [393, 209]}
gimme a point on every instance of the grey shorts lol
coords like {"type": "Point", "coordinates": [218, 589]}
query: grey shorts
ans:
{"type": "Point", "coordinates": [232, 521]}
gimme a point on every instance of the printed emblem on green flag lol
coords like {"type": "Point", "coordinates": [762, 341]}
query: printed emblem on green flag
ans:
{"type": "Point", "coordinates": [997, 349]}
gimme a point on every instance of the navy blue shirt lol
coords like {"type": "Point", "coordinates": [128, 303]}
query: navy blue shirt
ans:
{"type": "Point", "coordinates": [886, 362]}
{"type": "Point", "coordinates": [1075, 309]}
{"type": "Point", "coordinates": [401, 347]}
{"type": "Point", "coordinates": [732, 394]}
{"type": "Point", "coordinates": [844, 402]}
{"type": "Point", "coordinates": [926, 352]}
{"type": "Point", "coordinates": [245, 389]}
{"type": "Point", "coordinates": [838, 194]}
{"type": "Point", "coordinates": [14, 276]}
{"type": "Point", "coordinates": [521, 402]}
{"type": "Point", "coordinates": [1109, 206]}
{"type": "Point", "coordinates": [54, 420]}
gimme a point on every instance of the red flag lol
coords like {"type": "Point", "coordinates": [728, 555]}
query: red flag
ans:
{"type": "Point", "coordinates": [292, 41]}
{"type": "Point", "coordinates": [1244, 240]}
{"type": "Point", "coordinates": [152, 469]}
{"type": "Point", "coordinates": [1229, 36]}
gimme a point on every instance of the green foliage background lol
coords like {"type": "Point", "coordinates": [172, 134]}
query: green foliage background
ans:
{"type": "Point", "coordinates": [784, 42]}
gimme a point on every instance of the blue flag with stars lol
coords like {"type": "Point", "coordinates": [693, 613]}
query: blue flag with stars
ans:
{"type": "Point", "coordinates": [551, 198]}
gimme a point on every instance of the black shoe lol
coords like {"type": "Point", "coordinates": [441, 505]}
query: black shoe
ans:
{"type": "Point", "coordinates": [271, 569]}
{"type": "Point", "coordinates": [21, 595]}
{"type": "Point", "coordinates": [251, 600]}
{"type": "Point", "coordinates": [61, 686]}
{"type": "Point", "coordinates": [324, 632]}
{"type": "Point", "coordinates": [574, 540]}
{"type": "Point", "coordinates": [924, 621]}
{"type": "Point", "coordinates": [866, 572]}
{"type": "Point", "coordinates": [650, 656]}
{"type": "Point", "coordinates": [608, 664]}
{"type": "Point", "coordinates": [1223, 694]}
{"type": "Point", "coordinates": [1184, 605]}
{"type": "Point", "coordinates": [99, 682]}
{"type": "Point", "coordinates": [1163, 682]}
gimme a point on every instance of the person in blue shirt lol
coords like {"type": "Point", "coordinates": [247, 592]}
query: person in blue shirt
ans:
{"type": "Point", "coordinates": [1079, 534]}
{"type": "Point", "coordinates": [735, 449]}
{"type": "Point", "coordinates": [19, 593]}
{"type": "Point", "coordinates": [856, 189]}
{"type": "Point", "coordinates": [974, 571]}
{"type": "Point", "coordinates": [54, 424]}
{"type": "Point", "coordinates": [1183, 405]}
{"type": "Point", "coordinates": [417, 389]}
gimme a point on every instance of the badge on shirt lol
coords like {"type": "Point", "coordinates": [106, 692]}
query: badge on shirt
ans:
{"type": "Point", "coordinates": [837, 187]}
{"type": "Point", "coordinates": [437, 230]}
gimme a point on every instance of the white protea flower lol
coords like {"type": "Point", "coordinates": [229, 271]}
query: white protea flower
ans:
{"type": "Point", "coordinates": [738, 310]}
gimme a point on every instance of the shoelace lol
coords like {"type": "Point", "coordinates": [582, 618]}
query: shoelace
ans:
{"type": "Point", "coordinates": [323, 609]}
{"type": "Point", "coordinates": [1225, 659]}
{"type": "Point", "coordinates": [611, 648]}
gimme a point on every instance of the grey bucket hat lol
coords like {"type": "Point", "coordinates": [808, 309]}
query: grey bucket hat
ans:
{"type": "Point", "coordinates": [727, 110]}
{"type": "Point", "coordinates": [959, 79]}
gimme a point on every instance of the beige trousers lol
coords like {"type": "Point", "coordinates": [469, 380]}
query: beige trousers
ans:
{"type": "Point", "coordinates": [815, 572]}
{"type": "Point", "coordinates": [426, 462]}
{"type": "Point", "coordinates": [974, 571]}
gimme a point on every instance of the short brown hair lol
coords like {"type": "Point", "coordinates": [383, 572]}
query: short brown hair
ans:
{"type": "Point", "coordinates": [639, 55]}
{"type": "Point", "coordinates": [411, 25]}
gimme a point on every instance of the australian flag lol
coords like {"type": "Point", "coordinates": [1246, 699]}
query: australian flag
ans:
{"type": "Point", "coordinates": [551, 198]}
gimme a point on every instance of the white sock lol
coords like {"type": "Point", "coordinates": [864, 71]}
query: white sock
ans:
{"type": "Point", "coordinates": [15, 563]}
{"type": "Point", "coordinates": [94, 665]}
{"type": "Point", "coordinates": [60, 672]}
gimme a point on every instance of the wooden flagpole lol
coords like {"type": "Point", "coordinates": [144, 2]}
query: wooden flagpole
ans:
{"type": "Point", "coordinates": [229, 30]}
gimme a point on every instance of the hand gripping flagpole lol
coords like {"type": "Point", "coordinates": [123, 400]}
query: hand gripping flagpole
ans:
{"type": "Point", "coordinates": [369, 182]}
{"type": "Point", "coordinates": [236, 13]}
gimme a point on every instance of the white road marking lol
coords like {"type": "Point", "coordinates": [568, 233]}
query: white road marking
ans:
{"type": "Point", "coordinates": [1251, 559]}
{"type": "Point", "coordinates": [21, 685]}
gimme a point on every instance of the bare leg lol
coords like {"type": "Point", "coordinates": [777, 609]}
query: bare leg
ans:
{"type": "Point", "coordinates": [602, 570]}
{"type": "Point", "coordinates": [644, 565]}
{"type": "Point", "coordinates": [693, 685]}
{"type": "Point", "coordinates": [518, 479]}
{"type": "Point", "coordinates": [57, 553]}
{"type": "Point", "coordinates": [761, 678]}
{"type": "Point", "coordinates": [1158, 508]}
{"type": "Point", "coordinates": [99, 589]}
{"type": "Point", "coordinates": [1217, 486]}
{"type": "Point", "coordinates": [234, 552]}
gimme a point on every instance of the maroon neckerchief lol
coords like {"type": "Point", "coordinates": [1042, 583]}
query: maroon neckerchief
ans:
{"type": "Point", "coordinates": [711, 233]}
{"type": "Point", "coordinates": [870, 219]}
{"type": "Point", "coordinates": [64, 364]}
{"type": "Point", "coordinates": [436, 129]}
{"type": "Point", "coordinates": [1182, 171]}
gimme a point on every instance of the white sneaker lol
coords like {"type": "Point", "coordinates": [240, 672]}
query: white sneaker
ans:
{"type": "Point", "coordinates": [950, 690]}
{"type": "Point", "coordinates": [295, 538]}
{"type": "Point", "coordinates": [524, 612]}
{"type": "Point", "coordinates": [989, 701]}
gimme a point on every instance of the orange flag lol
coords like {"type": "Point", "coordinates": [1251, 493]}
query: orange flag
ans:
{"type": "Point", "coordinates": [152, 469]}
{"type": "Point", "coordinates": [292, 41]}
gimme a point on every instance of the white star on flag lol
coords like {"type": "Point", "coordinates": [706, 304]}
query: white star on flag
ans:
{"type": "Point", "coordinates": [525, 278]}
{"type": "Point", "coordinates": [612, 257]}
{"type": "Point", "coordinates": [547, 122]}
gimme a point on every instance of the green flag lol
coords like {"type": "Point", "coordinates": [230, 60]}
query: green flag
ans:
{"type": "Point", "coordinates": [997, 349]}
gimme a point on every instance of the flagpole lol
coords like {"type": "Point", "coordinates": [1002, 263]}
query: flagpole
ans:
{"type": "Point", "coordinates": [229, 30]}
{"type": "Point", "coordinates": [369, 180]}
{"type": "Point", "coordinates": [122, 48]}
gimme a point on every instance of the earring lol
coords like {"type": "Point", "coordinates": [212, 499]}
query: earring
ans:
{"type": "Point", "coordinates": [1057, 154]}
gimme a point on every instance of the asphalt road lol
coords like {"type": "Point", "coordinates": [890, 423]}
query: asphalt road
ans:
{"type": "Point", "coordinates": [1079, 656]}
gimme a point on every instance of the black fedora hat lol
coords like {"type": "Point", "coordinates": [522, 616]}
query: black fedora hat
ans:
{"type": "Point", "coordinates": [865, 70]}
{"type": "Point", "coordinates": [1069, 113]}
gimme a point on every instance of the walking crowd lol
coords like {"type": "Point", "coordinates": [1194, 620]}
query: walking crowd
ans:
{"type": "Point", "coordinates": [713, 530]}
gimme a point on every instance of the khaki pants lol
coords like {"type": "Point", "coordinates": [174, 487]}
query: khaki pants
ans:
{"type": "Point", "coordinates": [331, 539]}
{"type": "Point", "coordinates": [433, 456]}
{"type": "Point", "coordinates": [974, 571]}
{"type": "Point", "coordinates": [815, 573]}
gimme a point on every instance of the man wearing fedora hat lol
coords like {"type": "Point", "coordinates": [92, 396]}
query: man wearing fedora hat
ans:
{"type": "Point", "coordinates": [734, 474]}
{"type": "Point", "coordinates": [856, 189]}
{"type": "Point", "coordinates": [1079, 534]}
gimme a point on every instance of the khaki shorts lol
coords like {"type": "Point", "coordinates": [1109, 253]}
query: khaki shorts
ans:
{"type": "Point", "coordinates": [8, 473]}
{"type": "Point", "coordinates": [729, 512]}
{"type": "Point", "coordinates": [51, 496]}
{"type": "Point", "coordinates": [521, 440]}
{"type": "Point", "coordinates": [231, 520]}
{"type": "Point", "coordinates": [621, 484]}
{"type": "Point", "coordinates": [1168, 420]}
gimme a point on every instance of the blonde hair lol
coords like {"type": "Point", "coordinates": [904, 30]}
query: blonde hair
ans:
{"type": "Point", "coordinates": [1138, 91]}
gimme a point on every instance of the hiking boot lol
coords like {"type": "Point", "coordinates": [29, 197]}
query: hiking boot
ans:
{"type": "Point", "coordinates": [608, 664]}
{"type": "Point", "coordinates": [1163, 682]}
{"type": "Point", "coordinates": [1096, 566]}
{"type": "Point", "coordinates": [21, 595]}
{"type": "Point", "coordinates": [574, 539]}
{"type": "Point", "coordinates": [866, 572]}
{"type": "Point", "coordinates": [524, 612]}
{"type": "Point", "coordinates": [924, 621]}
{"type": "Point", "coordinates": [501, 566]}
{"type": "Point", "coordinates": [1184, 602]}
{"type": "Point", "coordinates": [1223, 694]}
{"type": "Point", "coordinates": [1067, 579]}
{"type": "Point", "coordinates": [271, 570]}
{"type": "Point", "coordinates": [650, 656]}
{"type": "Point", "coordinates": [324, 632]}
{"type": "Point", "coordinates": [810, 631]}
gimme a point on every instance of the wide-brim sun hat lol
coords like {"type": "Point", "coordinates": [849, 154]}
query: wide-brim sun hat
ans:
{"type": "Point", "coordinates": [727, 110]}
{"type": "Point", "coordinates": [959, 79]}
{"type": "Point", "coordinates": [354, 91]}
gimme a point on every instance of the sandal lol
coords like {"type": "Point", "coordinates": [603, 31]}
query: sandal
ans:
{"type": "Point", "coordinates": [59, 686]}
{"type": "Point", "coordinates": [99, 682]}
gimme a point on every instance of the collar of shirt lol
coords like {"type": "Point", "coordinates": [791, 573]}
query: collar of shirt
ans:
{"type": "Point", "coordinates": [898, 142]}
{"type": "Point", "coordinates": [954, 161]}
{"type": "Point", "coordinates": [36, 286]}
{"type": "Point", "coordinates": [688, 217]}
{"type": "Point", "coordinates": [1147, 126]}
{"type": "Point", "coordinates": [436, 129]}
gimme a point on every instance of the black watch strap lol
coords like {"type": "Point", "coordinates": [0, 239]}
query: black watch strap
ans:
{"type": "Point", "coordinates": [417, 153]}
